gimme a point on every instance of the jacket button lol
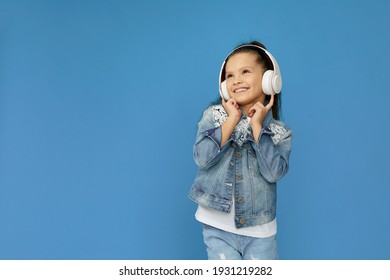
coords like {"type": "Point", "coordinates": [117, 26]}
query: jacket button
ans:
{"type": "Point", "coordinates": [239, 177]}
{"type": "Point", "coordinates": [242, 221]}
{"type": "Point", "coordinates": [234, 145]}
{"type": "Point", "coordinates": [240, 199]}
{"type": "Point", "coordinates": [238, 154]}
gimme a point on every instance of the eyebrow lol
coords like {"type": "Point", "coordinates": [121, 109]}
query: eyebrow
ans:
{"type": "Point", "coordinates": [239, 69]}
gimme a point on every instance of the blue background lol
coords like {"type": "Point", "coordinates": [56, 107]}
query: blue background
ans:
{"type": "Point", "coordinates": [99, 103]}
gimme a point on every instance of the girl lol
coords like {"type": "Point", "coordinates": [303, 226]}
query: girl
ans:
{"type": "Point", "coordinates": [242, 150]}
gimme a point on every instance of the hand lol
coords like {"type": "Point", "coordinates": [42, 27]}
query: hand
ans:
{"type": "Point", "coordinates": [234, 115]}
{"type": "Point", "coordinates": [258, 112]}
{"type": "Point", "coordinates": [232, 108]}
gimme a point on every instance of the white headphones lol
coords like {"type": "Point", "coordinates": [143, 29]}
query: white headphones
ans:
{"type": "Point", "coordinates": [272, 79]}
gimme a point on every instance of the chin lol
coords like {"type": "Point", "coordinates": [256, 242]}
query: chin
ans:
{"type": "Point", "coordinates": [243, 100]}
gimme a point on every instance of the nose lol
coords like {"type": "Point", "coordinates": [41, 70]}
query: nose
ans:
{"type": "Point", "coordinates": [237, 81]}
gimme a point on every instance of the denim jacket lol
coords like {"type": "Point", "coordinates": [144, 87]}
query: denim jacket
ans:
{"type": "Point", "coordinates": [242, 169]}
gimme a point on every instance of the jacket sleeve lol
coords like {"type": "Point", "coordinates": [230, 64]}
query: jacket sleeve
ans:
{"type": "Point", "coordinates": [207, 148]}
{"type": "Point", "coordinates": [273, 150]}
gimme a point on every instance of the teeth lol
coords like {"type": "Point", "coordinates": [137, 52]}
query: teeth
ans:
{"type": "Point", "coordinates": [240, 90]}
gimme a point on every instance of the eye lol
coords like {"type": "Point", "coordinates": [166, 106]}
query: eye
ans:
{"type": "Point", "coordinates": [246, 71]}
{"type": "Point", "coordinates": [228, 76]}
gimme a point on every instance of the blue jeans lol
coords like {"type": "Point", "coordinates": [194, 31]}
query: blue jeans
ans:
{"type": "Point", "coordinates": [222, 245]}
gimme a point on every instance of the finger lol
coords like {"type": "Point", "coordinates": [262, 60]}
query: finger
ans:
{"type": "Point", "coordinates": [253, 110]}
{"type": "Point", "coordinates": [234, 102]}
{"type": "Point", "coordinates": [258, 106]}
{"type": "Point", "coordinates": [271, 102]}
{"type": "Point", "coordinates": [224, 103]}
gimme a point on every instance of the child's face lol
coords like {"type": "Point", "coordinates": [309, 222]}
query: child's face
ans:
{"type": "Point", "coordinates": [243, 77]}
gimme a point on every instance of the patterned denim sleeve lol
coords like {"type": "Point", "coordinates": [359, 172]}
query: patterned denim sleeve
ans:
{"type": "Point", "coordinates": [208, 140]}
{"type": "Point", "coordinates": [273, 150]}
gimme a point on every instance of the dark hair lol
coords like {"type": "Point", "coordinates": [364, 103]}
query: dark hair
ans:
{"type": "Point", "coordinates": [266, 63]}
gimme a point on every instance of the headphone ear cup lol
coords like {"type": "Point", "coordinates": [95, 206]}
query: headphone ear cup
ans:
{"type": "Point", "coordinates": [224, 91]}
{"type": "Point", "coordinates": [267, 82]}
{"type": "Point", "coordinates": [277, 84]}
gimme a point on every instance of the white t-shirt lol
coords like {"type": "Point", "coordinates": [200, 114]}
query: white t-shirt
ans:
{"type": "Point", "coordinates": [225, 221]}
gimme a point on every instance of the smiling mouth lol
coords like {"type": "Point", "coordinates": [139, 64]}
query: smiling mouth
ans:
{"type": "Point", "coordinates": [240, 90]}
